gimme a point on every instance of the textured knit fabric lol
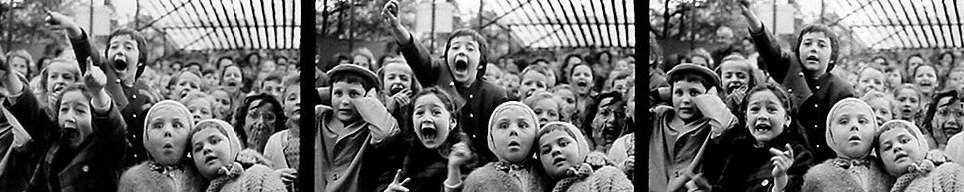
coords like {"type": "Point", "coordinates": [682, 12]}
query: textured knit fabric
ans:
{"type": "Point", "coordinates": [144, 177]}
{"type": "Point", "coordinates": [607, 178]}
{"type": "Point", "coordinates": [257, 178]}
{"type": "Point", "coordinates": [946, 177]}
{"type": "Point", "coordinates": [490, 178]}
{"type": "Point", "coordinates": [829, 176]}
{"type": "Point", "coordinates": [292, 151]}
{"type": "Point", "coordinates": [846, 103]}
{"type": "Point", "coordinates": [955, 148]}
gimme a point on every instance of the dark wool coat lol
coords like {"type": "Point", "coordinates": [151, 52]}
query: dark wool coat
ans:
{"type": "Point", "coordinates": [133, 101]}
{"type": "Point", "coordinates": [94, 167]}
{"type": "Point", "coordinates": [740, 166]}
{"type": "Point", "coordinates": [814, 98]}
{"type": "Point", "coordinates": [474, 104]}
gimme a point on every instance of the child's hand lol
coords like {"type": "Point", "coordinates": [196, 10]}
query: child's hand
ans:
{"type": "Point", "coordinates": [597, 159]}
{"type": "Point", "coordinates": [460, 155]}
{"type": "Point", "coordinates": [400, 99]}
{"type": "Point", "coordinates": [251, 157]}
{"type": "Point", "coordinates": [937, 156]}
{"type": "Point", "coordinates": [288, 175]}
{"type": "Point", "coordinates": [390, 16]}
{"type": "Point", "coordinates": [737, 95]}
{"type": "Point", "coordinates": [698, 183]}
{"type": "Point", "coordinates": [782, 160]}
{"type": "Point", "coordinates": [396, 186]}
{"type": "Point", "coordinates": [712, 106]}
{"type": "Point", "coordinates": [95, 79]}
{"type": "Point", "coordinates": [629, 164]}
{"type": "Point", "coordinates": [58, 21]}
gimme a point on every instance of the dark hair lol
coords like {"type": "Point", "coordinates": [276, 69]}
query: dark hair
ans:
{"type": "Point", "coordinates": [792, 133]}
{"type": "Point", "coordinates": [483, 47]}
{"type": "Point", "coordinates": [239, 118]}
{"type": "Point", "coordinates": [177, 76]}
{"type": "Point", "coordinates": [593, 108]}
{"type": "Point", "coordinates": [539, 60]}
{"type": "Point", "coordinates": [818, 28]}
{"type": "Point", "coordinates": [141, 47]}
{"type": "Point", "coordinates": [691, 77]}
{"type": "Point", "coordinates": [209, 71]}
{"type": "Point", "coordinates": [442, 96]}
{"type": "Point", "coordinates": [932, 109]}
{"type": "Point", "coordinates": [350, 78]}
{"type": "Point", "coordinates": [70, 88]}
{"type": "Point", "coordinates": [273, 77]}
{"type": "Point", "coordinates": [225, 70]}
{"type": "Point", "coordinates": [777, 90]}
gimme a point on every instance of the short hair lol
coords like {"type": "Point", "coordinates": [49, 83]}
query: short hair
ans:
{"type": "Point", "coordinates": [538, 69]}
{"type": "Point", "coordinates": [195, 96]}
{"type": "Point", "coordinates": [177, 76]}
{"type": "Point", "coordinates": [818, 28]}
{"type": "Point", "coordinates": [539, 96]}
{"type": "Point", "coordinates": [71, 88]}
{"type": "Point", "coordinates": [874, 95]}
{"type": "Point", "coordinates": [209, 71]}
{"type": "Point", "coordinates": [276, 77]}
{"type": "Point", "coordinates": [141, 46]}
{"type": "Point", "coordinates": [25, 56]}
{"type": "Point", "coordinates": [912, 87]}
{"type": "Point", "coordinates": [442, 96]}
{"type": "Point", "coordinates": [691, 77]}
{"type": "Point", "coordinates": [483, 47]}
{"type": "Point", "coordinates": [351, 78]}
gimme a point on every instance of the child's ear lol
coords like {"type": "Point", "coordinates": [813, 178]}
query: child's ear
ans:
{"type": "Point", "coordinates": [788, 122]}
{"type": "Point", "coordinates": [452, 123]}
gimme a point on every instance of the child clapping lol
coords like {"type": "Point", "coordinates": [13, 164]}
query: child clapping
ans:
{"type": "Point", "coordinates": [851, 126]}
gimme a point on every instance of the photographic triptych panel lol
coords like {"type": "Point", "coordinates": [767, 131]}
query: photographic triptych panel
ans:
{"type": "Point", "coordinates": [317, 95]}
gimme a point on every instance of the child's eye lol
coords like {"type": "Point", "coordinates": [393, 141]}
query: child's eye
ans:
{"type": "Point", "coordinates": [503, 125]}
{"type": "Point", "coordinates": [523, 124]}
{"type": "Point", "coordinates": [564, 143]}
{"type": "Point", "coordinates": [862, 121]}
{"type": "Point", "coordinates": [843, 121]}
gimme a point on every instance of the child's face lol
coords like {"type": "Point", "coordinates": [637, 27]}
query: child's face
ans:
{"type": "Point", "coordinates": [397, 77]}
{"type": "Point", "coordinates": [898, 150]}
{"type": "Point", "coordinates": [870, 80]}
{"type": "Point", "coordinates": [949, 117]}
{"type": "Point", "coordinates": [882, 110]}
{"type": "Point", "coordinates": [606, 122]}
{"type": "Point", "coordinates": [513, 134]}
{"type": "Point", "coordinates": [893, 78]}
{"type": "Point", "coordinates": [167, 134]}
{"type": "Point", "coordinates": [700, 60]}
{"type": "Point", "coordinates": [620, 85]}
{"type": "Point", "coordinates": [766, 116]}
{"type": "Point", "coordinates": [492, 74]}
{"type": "Point", "coordinates": [463, 58]}
{"type": "Point", "coordinates": [211, 79]}
{"type": "Point", "coordinates": [19, 64]}
{"type": "Point", "coordinates": [621, 65]}
{"type": "Point", "coordinates": [567, 101]}
{"type": "Point", "coordinates": [186, 83]}
{"type": "Point", "coordinates": [511, 83]}
{"type": "Point", "coordinates": [292, 103]}
{"type": "Point", "coordinates": [432, 121]}
{"type": "Point", "coordinates": [955, 80]}
{"type": "Point", "coordinates": [259, 124]}
{"type": "Point", "coordinates": [74, 117]}
{"type": "Point", "coordinates": [913, 62]}
{"type": "Point", "coordinates": [815, 52]}
{"type": "Point", "coordinates": [852, 130]}
{"type": "Point", "coordinates": [222, 104]}
{"type": "Point", "coordinates": [581, 79]}
{"type": "Point", "coordinates": [200, 109]}
{"type": "Point", "coordinates": [123, 47]}
{"type": "Point", "coordinates": [926, 79]}
{"type": "Point", "coordinates": [59, 75]}
{"type": "Point", "coordinates": [268, 66]}
{"type": "Point", "coordinates": [272, 88]}
{"type": "Point", "coordinates": [211, 151]}
{"type": "Point", "coordinates": [341, 95]}
{"type": "Point", "coordinates": [909, 101]}
{"type": "Point", "coordinates": [531, 82]}
{"type": "Point", "coordinates": [558, 152]}
{"type": "Point", "coordinates": [683, 94]}
{"type": "Point", "coordinates": [733, 77]}
{"type": "Point", "coordinates": [361, 60]}
{"type": "Point", "coordinates": [547, 110]}
{"type": "Point", "coordinates": [232, 79]}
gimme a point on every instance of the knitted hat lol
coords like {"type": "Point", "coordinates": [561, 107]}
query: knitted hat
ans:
{"type": "Point", "coordinates": [506, 106]}
{"type": "Point", "coordinates": [359, 71]}
{"type": "Point", "coordinates": [225, 129]}
{"type": "Point", "coordinates": [955, 148]}
{"type": "Point", "coordinates": [913, 129]}
{"type": "Point", "coordinates": [581, 143]}
{"type": "Point", "coordinates": [847, 102]}
{"type": "Point", "coordinates": [166, 104]}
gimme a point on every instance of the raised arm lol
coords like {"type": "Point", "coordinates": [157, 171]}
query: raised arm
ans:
{"type": "Point", "coordinates": [777, 62]}
{"type": "Point", "coordinates": [415, 54]}
{"type": "Point", "coordinates": [24, 106]}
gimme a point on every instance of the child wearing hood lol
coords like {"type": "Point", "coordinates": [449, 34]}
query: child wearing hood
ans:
{"type": "Point", "coordinates": [215, 147]}
{"type": "Point", "coordinates": [459, 74]}
{"type": "Point", "coordinates": [851, 127]}
{"type": "Point", "coordinates": [512, 137]}
{"type": "Point", "coordinates": [166, 139]}
{"type": "Point", "coordinates": [562, 151]}
{"type": "Point", "coordinates": [902, 149]}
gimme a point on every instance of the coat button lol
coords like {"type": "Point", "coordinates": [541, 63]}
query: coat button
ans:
{"type": "Point", "coordinates": [470, 96]}
{"type": "Point", "coordinates": [800, 74]}
{"type": "Point", "coordinates": [134, 96]}
{"type": "Point", "coordinates": [118, 80]}
{"type": "Point", "coordinates": [765, 183]}
{"type": "Point", "coordinates": [135, 116]}
{"type": "Point", "coordinates": [818, 87]}
{"type": "Point", "coordinates": [471, 115]}
{"type": "Point", "coordinates": [334, 177]}
{"type": "Point", "coordinates": [85, 168]}
{"type": "Point", "coordinates": [790, 90]}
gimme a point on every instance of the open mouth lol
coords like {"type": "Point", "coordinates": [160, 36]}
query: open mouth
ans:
{"type": "Point", "coordinates": [72, 133]}
{"type": "Point", "coordinates": [58, 87]}
{"type": "Point", "coordinates": [514, 144]}
{"type": "Point", "coordinates": [582, 84]}
{"type": "Point", "coordinates": [168, 146]}
{"type": "Point", "coordinates": [734, 86]}
{"type": "Point", "coordinates": [210, 159]}
{"type": "Point", "coordinates": [461, 63]}
{"type": "Point", "coordinates": [559, 160]}
{"type": "Point", "coordinates": [812, 58]}
{"type": "Point", "coordinates": [762, 127]}
{"type": "Point", "coordinates": [854, 138]}
{"type": "Point", "coordinates": [184, 92]}
{"type": "Point", "coordinates": [232, 84]}
{"type": "Point", "coordinates": [120, 64]}
{"type": "Point", "coordinates": [429, 132]}
{"type": "Point", "coordinates": [396, 88]}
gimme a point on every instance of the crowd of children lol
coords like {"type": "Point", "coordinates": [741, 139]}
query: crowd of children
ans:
{"type": "Point", "coordinates": [801, 119]}
{"type": "Point", "coordinates": [110, 120]}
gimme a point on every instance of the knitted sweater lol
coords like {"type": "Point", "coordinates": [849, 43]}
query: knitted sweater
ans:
{"type": "Point", "coordinates": [490, 178]}
{"type": "Point", "coordinates": [946, 177]}
{"type": "Point", "coordinates": [254, 179]}
{"type": "Point", "coordinates": [607, 178]}
{"type": "Point", "coordinates": [144, 177]}
{"type": "Point", "coordinates": [829, 176]}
